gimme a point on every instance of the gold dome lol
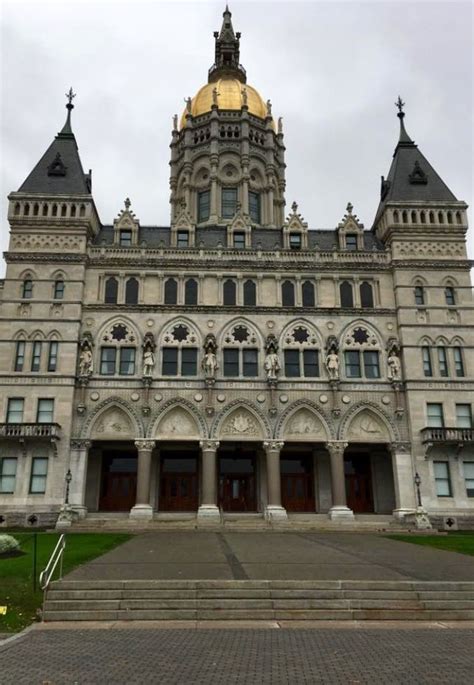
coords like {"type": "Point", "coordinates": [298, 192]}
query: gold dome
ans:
{"type": "Point", "coordinates": [229, 97]}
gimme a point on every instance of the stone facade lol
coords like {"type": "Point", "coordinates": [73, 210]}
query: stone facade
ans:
{"type": "Point", "coordinates": [235, 360]}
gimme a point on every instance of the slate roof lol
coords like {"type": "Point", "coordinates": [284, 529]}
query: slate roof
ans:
{"type": "Point", "coordinates": [398, 185]}
{"type": "Point", "coordinates": [266, 239]}
{"type": "Point", "coordinates": [71, 179]}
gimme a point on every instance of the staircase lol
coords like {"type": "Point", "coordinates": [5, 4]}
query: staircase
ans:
{"type": "Point", "coordinates": [249, 600]}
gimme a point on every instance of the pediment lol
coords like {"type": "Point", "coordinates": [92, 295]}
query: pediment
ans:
{"type": "Point", "coordinates": [112, 424]}
{"type": "Point", "coordinates": [367, 427]}
{"type": "Point", "coordinates": [178, 423]}
{"type": "Point", "coordinates": [294, 221]}
{"type": "Point", "coordinates": [304, 425]}
{"type": "Point", "coordinates": [241, 423]}
{"type": "Point", "coordinates": [240, 222]}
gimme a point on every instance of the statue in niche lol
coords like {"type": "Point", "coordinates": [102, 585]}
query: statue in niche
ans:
{"type": "Point", "coordinates": [148, 355]}
{"type": "Point", "coordinates": [394, 367]}
{"type": "Point", "coordinates": [209, 362]}
{"type": "Point", "coordinates": [272, 364]}
{"type": "Point", "coordinates": [332, 365]}
{"type": "Point", "coordinates": [86, 361]}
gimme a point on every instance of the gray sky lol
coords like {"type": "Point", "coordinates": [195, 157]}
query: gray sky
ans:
{"type": "Point", "coordinates": [332, 70]}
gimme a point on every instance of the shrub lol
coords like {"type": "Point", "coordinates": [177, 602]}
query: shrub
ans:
{"type": "Point", "coordinates": [8, 544]}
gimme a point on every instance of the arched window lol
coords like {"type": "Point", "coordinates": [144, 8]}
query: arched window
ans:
{"type": "Point", "coordinates": [27, 289]}
{"type": "Point", "coordinates": [422, 217]}
{"type": "Point", "coordinates": [58, 289]}
{"type": "Point", "coordinates": [250, 294]}
{"type": "Point", "coordinates": [179, 351]}
{"type": "Point", "coordinates": [366, 295]}
{"type": "Point", "coordinates": [440, 218]}
{"type": "Point", "coordinates": [431, 217]}
{"type": "Point", "coordinates": [361, 354]}
{"type": "Point", "coordinates": [111, 291]}
{"type": "Point", "coordinates": [131, 291]}
{"type": "Point", "coordinates": [27, 209]}
{"type": "Point", "coordinates": [82, 210]}
{"type": "Point", "coordinates": [419, 293]}
{"type": "Point", "coordinates": [413, 217]}
{"type": "Point", "coordinates": [450, 218]}
{"type": "Point", "coordinates": [229, 292]}
{"type": "Point", "coordinates": [191, 291]}
{"type": "Point", "coordinates": [396, 217]}
{"type": "Point", "coordinates": [288, 294]}
{"type": "Point", "coordinates": [171, 291]}
{"type": "Point", "coordinates": [63, 210]}
{"type": "Point", "coordinates": [307, 292]}
{"type": "Point", "coordinates": [17, 209]}
{"type": "Point", "coordinates": [405, 217]}
{"type": "Point", "coordinates": [346, 294]}
{"type": "Point", "coordinates": [301, 352]}
{"type": "Point", "coordinates": [118, 354]}
{"type": "Point", "coordinates": [240, 352]}
{"type": "Point", "coordinates": [36, 209]}
{"type": "Point", "coordinates": [73, 210]}
{"type": "Point", "coordinates": [458, 218]}
{"type": "Point", "coordinates": [45, 209]}
{"type": "Point", "coordinates": [54, 210]}
{"type": "Point", "coordinates": [450, 295]}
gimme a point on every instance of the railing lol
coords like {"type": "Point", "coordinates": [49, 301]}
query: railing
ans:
{"type": "Point", "coordinates": [55, 559]}
{"type": "Point", "coordinates": [447, 435]}
{"type": "Point", "coordinates": [29, 430]}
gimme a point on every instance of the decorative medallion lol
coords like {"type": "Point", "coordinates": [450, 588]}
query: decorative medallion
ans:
{"type": "Point", "coordinates": [346, 399]}
{"type": "Point", "coordinates": [283, 399]}
{"type": "Point", "coordinates": [94, 396]}
{"type": "Point", "coordinates": [330, 325]}
{"type": "Point", "coordinates": [90, 322]}
{"type": "Point", "coordinates": [135, 396]}
{"type": "Point", "coordinates": [270, 324]}
{"type": "Point", "coordinates": [261, 398]}
{"type": "Point", "coordinates": [390, 326]}
{"type": "Point", "coordinates": [385, 399]}
{"type": "Point", "coordinates": [323, 399]}
{"type": "Point", "coordinates": [221, 398]}
{"type": "Point", "coordinates": [210, 323]}
{"type": "Point", "coordinates": [158, 397]}
{"type": "Point", "coordinates": [198, 397]}
{"type": "Point", "coordinates": [150, 323]}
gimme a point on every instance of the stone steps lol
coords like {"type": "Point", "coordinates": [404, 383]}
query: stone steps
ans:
{"type": "Point", "coordinates": [272, 600]}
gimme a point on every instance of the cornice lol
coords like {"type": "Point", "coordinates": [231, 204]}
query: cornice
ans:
{"type": "Point", "coordinates": [45, 258]}
{"type": "Point", "coordinates": [241, 310]}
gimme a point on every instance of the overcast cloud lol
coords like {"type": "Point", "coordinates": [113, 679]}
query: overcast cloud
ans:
{"type": "Point", "coordinates": [332, 70]}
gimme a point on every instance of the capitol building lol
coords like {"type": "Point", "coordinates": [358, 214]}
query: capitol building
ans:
{"type": "Point", "coordinates": [238, 362]}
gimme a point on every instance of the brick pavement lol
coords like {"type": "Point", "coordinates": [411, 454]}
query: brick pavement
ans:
{"type": "Point", "coordinates": [235, 656]}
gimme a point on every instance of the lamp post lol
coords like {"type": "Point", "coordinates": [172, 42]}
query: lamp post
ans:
{"type": "Point", "coordinates": [418, 492]}
{"type": "Point", "coordinates": [68, 482]}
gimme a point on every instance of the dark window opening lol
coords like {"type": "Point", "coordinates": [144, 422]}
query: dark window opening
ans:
{"type": "Point", "coordinates": [191, 292]}
{"type": "Point", "coordinates": [295, 241]}
{"type": "Point", "coordinates": [254, 207]}
{"type": "Point", "coordinates": [131, 291]}
{"type": "Point", "coordinates": [171, 291]}
{"type": "Point", "coordinates": [204, 205]}
{"type": "Point", "coordinates": [183, 239]}
{"type": "Point", "coordinates": [170, 361]}
{"type": "Point", "coordinates": [107, 361]}
{"type": "Point", "coordinates": [346, 294]}
{"type": "Point", "coordinates": [111, 291]}
{"type": "Point", "coordinates": [125, 238]}
{"type": "Point", "coordinates": [230, 293]}
{"type": "Point", "coordinates": [366, 295]}
{"type": "Point", "coordinates": [231, 362]}
{"type": "Point", "coordinates": [307, 291]}
{"type": "Point", "coordinates": [351, 242]}
{"type": "Point", "coordinates": [229, 202]}
{"type": "Point", "coordinates": [250, 294]}
{"type": "Point", "coordinates": [239, 240]}
{"type": "Point", "coordinates": [288, 294]}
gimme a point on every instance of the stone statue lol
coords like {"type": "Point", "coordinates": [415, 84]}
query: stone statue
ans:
{"type": "Point", "coordinates": [148, 362]}
{"type": "Point", "coordinates": [244, 97]}
{"type": "Point", "coordinates": [394, 367]}
{"type": "Point", "coordinates": [86, 364]}
{"type": "Point", "coordinates": [269, 108]}
{"type": "Point", "coordinates": [188, 105]}
{"type": "Point", "coordinates": [280, 124]}
{"type": "Point", "coordinates": [272, 365]}
{"type": "Point", "coordinates": [175, 122]}
{"type": "Point", "coordinates": [209, 364]}
{"type": "Point", "coordinates": [332, 365]}
{"type": "Point", "coordinates": [215, 95]}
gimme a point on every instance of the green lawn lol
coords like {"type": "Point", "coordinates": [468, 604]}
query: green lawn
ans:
{"type": "Point", "coordinates": [16, 574]}
{"type": "Point", "coordinates": [462, 542]}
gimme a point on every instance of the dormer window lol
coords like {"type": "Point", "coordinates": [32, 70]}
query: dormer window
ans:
{"type": "Point", "coordinates": [125, 238]}
{"type": "Point", "coordinates": [295, 241]}
{"type": "Point", "coordinates": [183, 239]}
{"type": "Point", "coordinates": [351, 242]}
{"type": "Point", "coordinates": [229, 202]}
{"type": "Point", "coordinates": [239, 240]}
{"type": "Point", "coordinates": [254, 207]}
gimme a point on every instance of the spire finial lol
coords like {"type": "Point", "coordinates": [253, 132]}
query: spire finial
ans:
{"type": "Point", "coordinates": [400, 105]}
{"type": "Point", "coordinates": [127, 203]}
{"type": "Point", "coordinates": [349, 208]}
{"type": "Point", "coordinates": [70, 97]}
{"type": "Point", "coordinates": [67, 130]}
{"type": "Point", "coordinates": [404, 137]}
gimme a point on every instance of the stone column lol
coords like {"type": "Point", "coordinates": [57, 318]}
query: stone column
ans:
{"type": "Point", "coordinates": [402, 479]}
{"type": "Point", "coordinates": [208, 510]}
{"type": "Point", "coordinates": [143, 509]}
{"type": "Point", "coordinates": [274, 510]}
{"type": "Point", "coordinates": [79, 458]}
{"type": "Point", "coordinates": [339, 509]}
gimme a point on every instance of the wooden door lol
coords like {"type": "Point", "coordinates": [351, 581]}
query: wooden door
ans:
{"type": "Point", "coordinates": [237, 492]}
{"type": "Point", "coordinates": [119, 483]}
{"type": "Point", "coordinates": [178, 492]}
{"type": "Point", "coordinates": [359, 484]}
{"type": "Point", "coordinates": [297, 491]}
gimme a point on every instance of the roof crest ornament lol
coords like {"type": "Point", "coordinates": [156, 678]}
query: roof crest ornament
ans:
{"type": "Point", "coordinates": [404, 137]}
{"type": "Point", "coordinates": [67, 130]}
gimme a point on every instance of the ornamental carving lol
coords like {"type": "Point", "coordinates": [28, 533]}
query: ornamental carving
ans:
{"type": "Point", "coordinates": [242, 423]}
{"type": "Point", "coordinates": [113, 422]}
{"type": "Point", "coordinates": [46, 242]}
{"type": "Point", "coordinates": [368, 427]}
{"type": "Point", "coordinates": [304, 423]}
{"type": "Point", "coordinates": [178, 422]}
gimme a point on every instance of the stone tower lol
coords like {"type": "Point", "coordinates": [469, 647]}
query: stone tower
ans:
{"type": "Point", "coordinates": [227, 153]}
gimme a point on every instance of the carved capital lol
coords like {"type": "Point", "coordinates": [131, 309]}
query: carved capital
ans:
{"type": "Point", "coordinates": [78, 444]}
{"type": "Point", "coordinates": [209, 445]}
{"type": "Point", "coordinates": [399, 447]}
{"type": "Point", "coordinates": [144, 445]}
{"type": "Point", "coordinates": [336, 448]}
{"type": "Point", "coordinates": [273, 446]}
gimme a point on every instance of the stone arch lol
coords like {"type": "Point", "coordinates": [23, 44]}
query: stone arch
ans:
{"type": "Point", "coordinates": [425, 341]}
{"type": "Point", "coordinates": [37, 335]}
{"type": "Point", "coordinates": [20, 335]}
{"type": "Point", "coordinates": [241, 420]}
{"type": "Point", "coordinates": [419, 280]}
{"type": "Point", "coordinates": [169, 325]}
{"type": "Point", "coordinates": [177, 420]}
{"type": "Point", "coordinates": [361, 323]}
{"type": "Point", "coordinates": [240, 320]}
{"type": "Point", "coordinates": [27, 274]}
{"type": "Point", "coordinates": [304, 421]}
{"type": "Point", "coordinates": [116, 319]}
{"type": "Point", "coordinates": [300, 322]}
{"type": "Point", "coordinates": [442, 341]}
{"type": "Point", "coordinates": [113, 418]}
{"type": "Point", "coordinates": [367, 422]}
{"type": "Point", "coordinates": [457, 341]}
{"type": "Point", "coordinates": [449, 281]}
{"type": "Point", "coordinates": [54, 335]}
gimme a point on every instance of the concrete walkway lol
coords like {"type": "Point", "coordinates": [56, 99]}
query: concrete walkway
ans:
{"type": "Point", "coordinates": [264, 556]}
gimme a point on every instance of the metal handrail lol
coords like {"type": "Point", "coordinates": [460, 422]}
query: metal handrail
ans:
{"type": "Point", "coordinates": [55, 558]}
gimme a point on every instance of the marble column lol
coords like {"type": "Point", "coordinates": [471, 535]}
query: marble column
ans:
{"type": "Point", "coordinates": [339, 509]}
{"type": "Point", "coordinates": [274, 509]}
{"type": "Point", "coordinates": [143, 509]}
{"type": "Point", "coordinates": [79, 458]}
{"type": "Point", "coordinates": [208, 509]}
{"type": "Point", "coordinates": [402, 479]}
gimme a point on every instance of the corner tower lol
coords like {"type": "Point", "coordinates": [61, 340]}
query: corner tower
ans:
{"type": "Point", "coordinates": [227, 153]}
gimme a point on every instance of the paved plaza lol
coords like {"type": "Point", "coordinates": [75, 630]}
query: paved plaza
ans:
{"type": "Point", "coordinates": [176, 656]}
{"type": "Point", "coordinates": [274, 556]}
